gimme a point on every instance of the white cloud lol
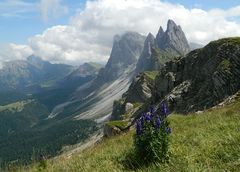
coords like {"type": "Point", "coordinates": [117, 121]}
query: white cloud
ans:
{"type": "Point", "coordinates": [89, 35]}
{"type": "Point", "coordinates": [52, 8]}
{"type": "Point", "coordinates": [14, 52]}
{"type": "Point", "coordinates": [66, 44]}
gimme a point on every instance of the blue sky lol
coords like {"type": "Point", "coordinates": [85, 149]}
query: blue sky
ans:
{"type": "Point", "coordinates": [18, 28]}
{"type": "Point", "coordinates": [67, 31]}
{"type": "Point", "coordinates": [207, 4]}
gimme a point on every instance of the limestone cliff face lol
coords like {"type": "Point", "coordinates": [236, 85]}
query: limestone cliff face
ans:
{"type": "Point", "coordinates": [125, 52]}
{"type": "Point", "coordinates": [201, 79]}
{"type": "Point", "coordinates": [146, 60]}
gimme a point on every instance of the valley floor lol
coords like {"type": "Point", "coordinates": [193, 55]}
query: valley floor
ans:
{"type": "Point", "coordinates": [199, 142]}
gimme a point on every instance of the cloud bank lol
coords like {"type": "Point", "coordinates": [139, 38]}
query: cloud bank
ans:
{"type": "Point", "coordinates": [88, 37]}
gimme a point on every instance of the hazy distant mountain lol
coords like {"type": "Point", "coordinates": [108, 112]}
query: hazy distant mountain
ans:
{"type": "Point", "coordinates": [83, 74]}
{"type": "Point", "coordinates": [32, 74]}
{"type": "Point", "coordinates": [86, 69]}
{"type": "Point", "coordinates": [194, 45]}
{"type": "Point", "coordinates": [64, 88]}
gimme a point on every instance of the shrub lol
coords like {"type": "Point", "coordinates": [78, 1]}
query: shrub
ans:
{"type": "Point", "coordinates": [151, 141]}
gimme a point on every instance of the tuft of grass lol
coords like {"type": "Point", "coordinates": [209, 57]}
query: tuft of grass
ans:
{"type": "Point", "coordinates": [151, 74]}
{"type": "Point", "coordinates": [137, 105]}
{"type": "Point", "coordinates": [199, 142]}
{"type": "Point", "coordinates": [225, 65]}
{"type": "Point", "coordinates": [119, 124]}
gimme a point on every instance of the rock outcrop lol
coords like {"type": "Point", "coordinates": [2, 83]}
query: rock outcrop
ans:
{"type": "Point", "coordinates": [141, 88]}
{"type": "Point", "coordinates": [201, 79]}
{"type": "Point", "coordinates": [139, 92]}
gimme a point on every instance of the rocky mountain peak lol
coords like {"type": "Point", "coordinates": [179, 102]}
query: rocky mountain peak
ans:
{"type": "Point", "coordinates": [160, 33]}
{"type": "Point", "coordinates": [34, 58]}
{"type": "Point", "coordinates": [171, 25]}
{"type": "Point", "coordinates": [150, 38]}
{"type": "Point", "coordinates": [145, 57]}
{"type": "Point", "coordinates": [36, 61]}
{"type": "Point", "coordinates": [165, 47]}
{"type": "Point", "coordinates": [173, 38]}
{"type": "Point", "coordinates": [125, 52]}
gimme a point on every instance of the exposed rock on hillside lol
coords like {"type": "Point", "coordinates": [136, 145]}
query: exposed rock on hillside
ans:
{"type": "Point", "coordinates": [139, 92]}
{"type": "Point", "coordinates": [201, 79]}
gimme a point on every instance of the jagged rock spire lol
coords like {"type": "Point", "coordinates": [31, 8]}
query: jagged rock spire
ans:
{"type": "Point", "coordinates": [173, 38]}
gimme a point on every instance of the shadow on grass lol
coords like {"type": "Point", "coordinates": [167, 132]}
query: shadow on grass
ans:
{"type": "Point", "coordinates": [133, 162]}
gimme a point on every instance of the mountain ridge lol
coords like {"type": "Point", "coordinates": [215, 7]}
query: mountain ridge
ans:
{"type": "Point", "coordinates": [200, 80]}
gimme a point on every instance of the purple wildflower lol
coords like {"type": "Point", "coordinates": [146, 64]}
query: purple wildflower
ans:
{"type": "Point", "coordinates": [152, 109]}
{"type": "Point", "coordinates": [138, 127]}
{"type": "Point", "coordinates": [158, 123]}
{"type": "Point", "coordinates": [164, 109]}
{"type": "Point", "coordinates": [168, 130]}
{"type": "Point", "coordinates": [148, 117]}
{"type": "Point", "coordinates": [142, 121]}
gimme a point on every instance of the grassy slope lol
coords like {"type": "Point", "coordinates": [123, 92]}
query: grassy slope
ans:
{"type": "Point", "coordinates": [204, 142]}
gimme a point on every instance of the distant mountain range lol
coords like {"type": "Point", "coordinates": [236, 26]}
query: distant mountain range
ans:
{"type": "Point", "coordinates": [32, 74]}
